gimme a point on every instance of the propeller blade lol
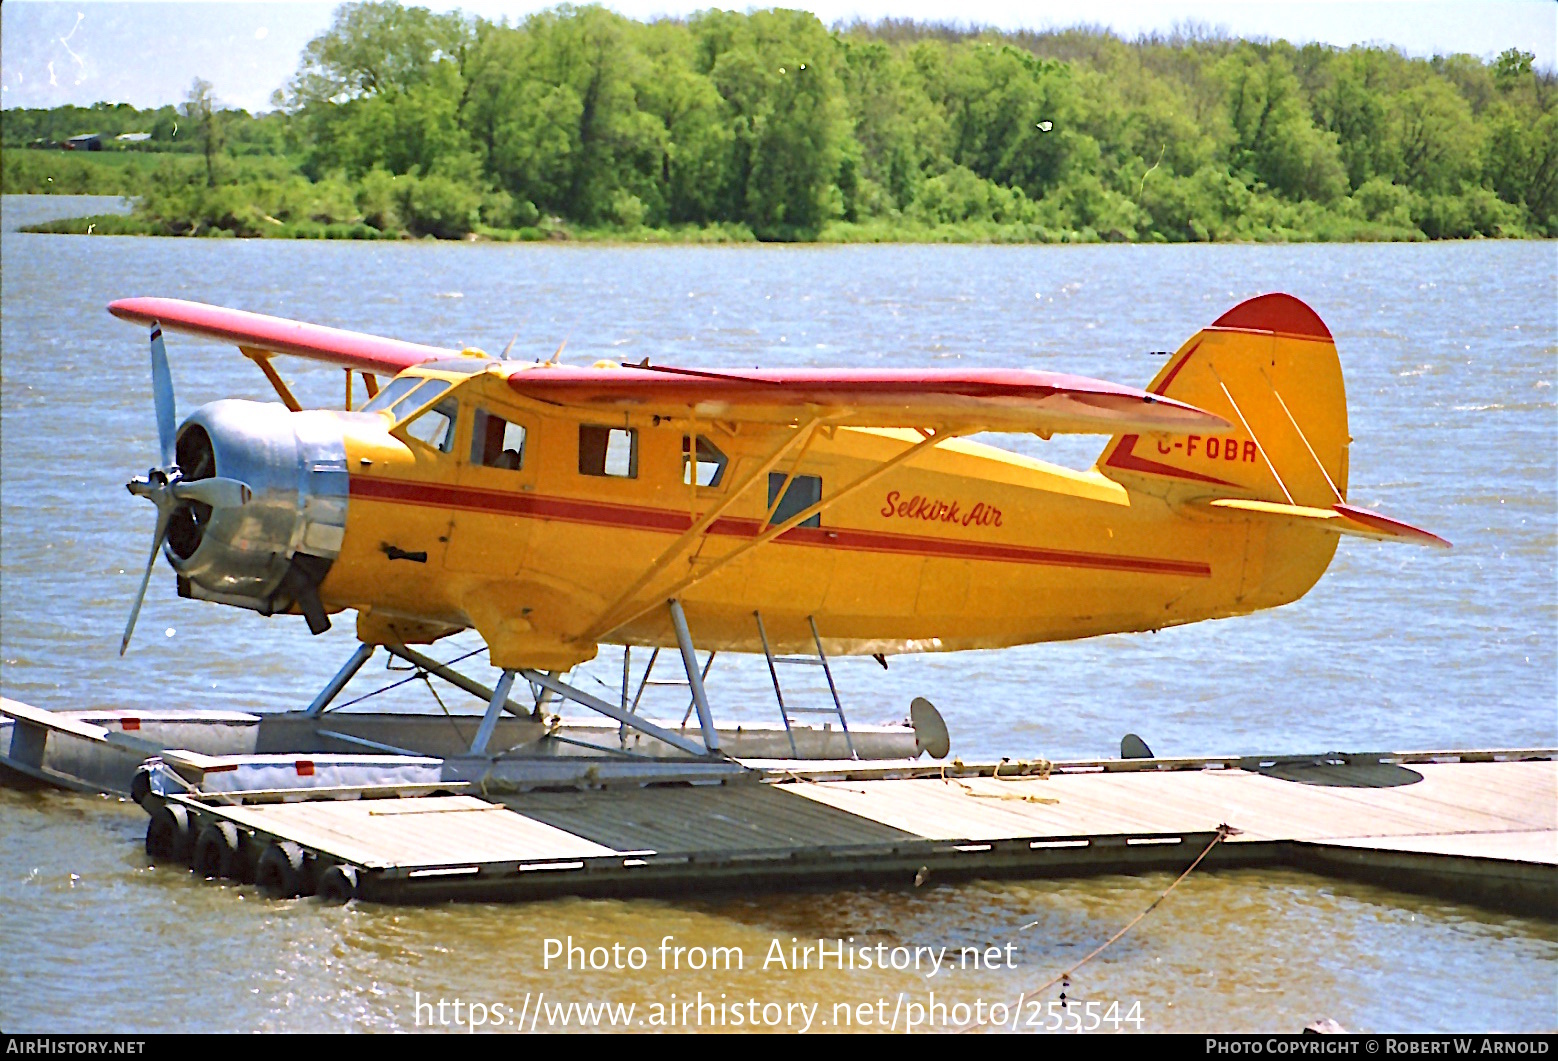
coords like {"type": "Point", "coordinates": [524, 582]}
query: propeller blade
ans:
{"type": "Point", "coordinates": [162, 394]}
{"type": "Point", "coordinates": [216, 492]}
{"type": "Point", "coordinates": [164, 514]}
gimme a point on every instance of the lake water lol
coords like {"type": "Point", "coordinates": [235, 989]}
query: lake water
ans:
{"type": "Point", "coordinates": [1450, 353]}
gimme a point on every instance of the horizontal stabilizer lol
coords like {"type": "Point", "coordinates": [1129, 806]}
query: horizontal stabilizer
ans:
{"type": "Point", "coordinates": [1340, 518]}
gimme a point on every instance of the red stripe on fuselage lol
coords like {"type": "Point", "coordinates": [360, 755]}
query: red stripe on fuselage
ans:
{"type": "Point", "coordinates": [637, 517]}
{"type": "Point", "coordinates": [1124, 456]}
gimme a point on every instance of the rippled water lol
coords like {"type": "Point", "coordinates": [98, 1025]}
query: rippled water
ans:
{"type": "Point", "coordinates": [1450, 353]}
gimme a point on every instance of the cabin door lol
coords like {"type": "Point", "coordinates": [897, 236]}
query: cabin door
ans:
{"type": "Point", "coordinates": [493, 504]}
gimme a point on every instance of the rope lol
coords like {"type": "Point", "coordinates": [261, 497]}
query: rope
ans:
{"type": "Point", "coordinates": [792, 775]}
{"type": "Point", "coordinates": [1224, 831]}
{"type": "Point", "coordinates": [1042, 767]}
{"type": "Point", "coordinates": [396, 685]}
{"type": "Point", "coordinates": [447, 713]}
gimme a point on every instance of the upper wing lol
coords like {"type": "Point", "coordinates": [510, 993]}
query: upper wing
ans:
{"type": "Point", "coordinates": [335, 346]}
{"type": "Point", "coordinates": [984, 399]}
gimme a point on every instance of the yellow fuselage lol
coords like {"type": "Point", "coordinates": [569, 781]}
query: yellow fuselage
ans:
{"type": "Point", "coordinates": [963, 546]}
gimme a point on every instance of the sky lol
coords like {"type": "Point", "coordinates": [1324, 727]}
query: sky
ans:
{"type": "Point", "coordinates": [147, 54]}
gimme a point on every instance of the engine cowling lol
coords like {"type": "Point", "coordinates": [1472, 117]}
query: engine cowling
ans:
{"type": "Point", "coordinates": [272, 552]}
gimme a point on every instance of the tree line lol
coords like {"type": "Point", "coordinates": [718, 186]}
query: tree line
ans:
{"type": "Point", "coordinates": [772, 126]}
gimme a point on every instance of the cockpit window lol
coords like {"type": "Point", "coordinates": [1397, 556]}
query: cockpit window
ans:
{"type": "Point", "coordinates": [496, 442]}
{"type": "Point", "coordinates": [709, 465]}
{"type": "Point", "coordinates": [424, 394]}
{"type": "Point", "coordinates": [392, 393]}
{"type": "Point", "coordinates": [436, 425]}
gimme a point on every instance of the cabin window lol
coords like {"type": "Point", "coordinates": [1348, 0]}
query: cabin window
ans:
{"type": "Point", "coordinates": [395, 390]}
{"type": "Point", "coordinates": [707, 468]}
{"type": "Point", "coordinates": [609, 451]}
{"type": "Point", "coordinates": [805, 491]}
{"type": "Point", "coordinates": [496, 442]}
{"type": "Point", "coordinates": [436, 425]}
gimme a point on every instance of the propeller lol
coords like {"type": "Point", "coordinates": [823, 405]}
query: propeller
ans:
{"type": "Point", "coordinates": [166, 487]}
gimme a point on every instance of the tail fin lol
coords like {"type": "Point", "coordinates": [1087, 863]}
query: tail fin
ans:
{"type": "Point", "coordinates": [1269, 367]}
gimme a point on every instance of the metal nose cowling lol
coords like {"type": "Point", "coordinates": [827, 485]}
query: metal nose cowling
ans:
{"type": "Point", "coordinates": [251, 502]}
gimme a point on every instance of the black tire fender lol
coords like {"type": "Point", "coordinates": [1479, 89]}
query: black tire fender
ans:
{"type": "Point", "coordinates": [338, 884]}
{"type": "Point", "coordinates": [170, 834]}
{"type": "Point", "coordinates": [216, 848]}
{"type": "Point", "coordinates": [282, 872]}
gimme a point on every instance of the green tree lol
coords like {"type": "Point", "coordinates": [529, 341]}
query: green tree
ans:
{"type": "Point", "coordinates": [1521, 163]}
{"type": "Point", "coordinates": [776, 72]}
{"type": "Point", "coordinates": [202, 112]}
{"type": "Point", "coordinates": [1275, 140]}
{"type": "Point", "coordinates": [694, 138]}
{"type": "Point", "coordinates": [1512, 68]}
{"type": "Point", "coordinates": [555, 106]}
{"type": "Point", "coordinates": [376, 47]}
{"type": "Point", "coordinates": [1436, 140]}
{"type": "Point", "coordinates": [1011, 116]}
{"type": "Point", "coordinates": [383, 86]}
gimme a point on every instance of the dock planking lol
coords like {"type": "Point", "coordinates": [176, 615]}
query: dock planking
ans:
{"type": "Point", "coordinates": [1438, 822]}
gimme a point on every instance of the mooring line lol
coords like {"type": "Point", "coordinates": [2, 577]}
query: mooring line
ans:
{"type": "Point", "coordinates": [1224, 831]}
{"type": "Point", "coordinates": [792, 775]}
{"type": "Point", "coordinates": [1043, 767]}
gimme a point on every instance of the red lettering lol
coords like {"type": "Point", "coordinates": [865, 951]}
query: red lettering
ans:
{"type": "Point", "coordinates": [937, 511]}
{"type": "Point", "coordinates": [1164, 447]}
{"type": "Point", "coordinates": [1231, 450]}
{"type": "Point", "coordinates": [1250, 451]}
{"type": "Point", "coordinates": [1190, 445]}
{"type": "Point", "coordinates": [1211, 447]}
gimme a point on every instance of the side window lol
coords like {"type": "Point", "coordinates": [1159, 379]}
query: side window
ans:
{"type": "Point", "coordinates": [609, 451]}
{"type": "Point", "coordinates": [805, 491]}
{"type": "Point", "coordinates": [496, 442]}
{"type": "Point", "coordinates": [708, 466]}
{"type": "Point", "coordinates": [436, 426]}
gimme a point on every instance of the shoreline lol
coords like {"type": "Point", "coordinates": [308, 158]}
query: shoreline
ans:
{"type": "Point", "coordinates": [841, 234]}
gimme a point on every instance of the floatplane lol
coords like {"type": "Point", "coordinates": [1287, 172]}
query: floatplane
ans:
{"type": "Point", "coordinates": [802, 514]}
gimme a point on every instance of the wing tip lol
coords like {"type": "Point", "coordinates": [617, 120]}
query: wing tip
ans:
{"type": "Point", "coordinates": [126, 309]}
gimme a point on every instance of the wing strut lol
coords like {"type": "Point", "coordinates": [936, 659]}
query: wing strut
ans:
{"type": "Point", "coordinates": [679, 547]}
{"type": "Point", "coordinates": [633, 611]}
{"type": "Point", "coordinates": [262, 358]}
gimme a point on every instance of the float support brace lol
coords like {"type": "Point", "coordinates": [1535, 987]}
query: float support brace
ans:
{"type": "Point", "coordinates": [694, 676]}
{"type": "Point", "coordinates": [333, 688]}
{"type": "Point", "coordinates": [489, 721]}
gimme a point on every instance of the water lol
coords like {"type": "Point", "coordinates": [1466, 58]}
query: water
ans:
{"type": "Point", "coordinates": [1449, 353]}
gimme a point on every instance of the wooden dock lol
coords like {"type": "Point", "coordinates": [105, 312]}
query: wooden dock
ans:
{"type": "Point", "coordinates": [1481, 826]}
